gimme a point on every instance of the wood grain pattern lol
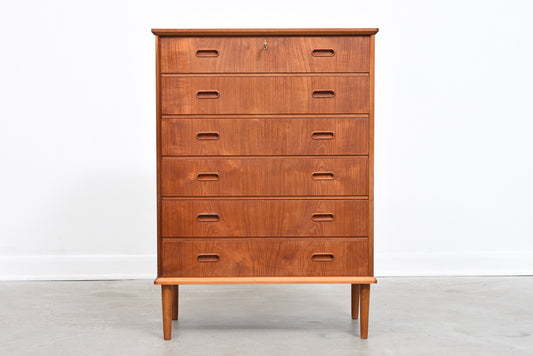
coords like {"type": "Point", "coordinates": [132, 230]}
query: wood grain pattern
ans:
{"type": "Point", "coordinates": [232, 54]}
{"type": "Point", "coordinates": [265, 136]}
{"type": "Point", "coordinates": [265, 159]}
{"type": "Point", "coordinates": [264, 31]}
{"type": "Point", "coordinates": [263, 218]}
{"type": "Point", "coordinates": [264, 94]}
{"type": "Point", "coordinates": [264, 176]}
{"type": "Point", "coordinates": [265, 280]}
{"type": "Point", "coordinates": [264, 257]}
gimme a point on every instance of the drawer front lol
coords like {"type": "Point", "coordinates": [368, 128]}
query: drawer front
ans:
{"type": "Point", "coordinates": [265, 95]}
{"type": "Point", "coordinates": [264, 257]}
{"type": "Point", "coordinates": [264, 176]}
{"type": "Point", "coordinates": [247, 54]}
{"type": "Point", "coordinates": [286, 136]}
{"type": "Point", "coordinates": [264, 218]}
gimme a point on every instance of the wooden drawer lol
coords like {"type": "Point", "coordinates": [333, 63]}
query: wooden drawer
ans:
{"type": "Point", "coordinates": [264, 217]}
{"type": "Point", "coordinates": [247, 54]}
{"type": "Point", "coordinates": [226, 94]}
{"type": "Point", "coordinates": [284, 136]}
{"type": "Point", "coordinates": [264, 257]}
{"type": "Point", "coordinates": [264, 176]}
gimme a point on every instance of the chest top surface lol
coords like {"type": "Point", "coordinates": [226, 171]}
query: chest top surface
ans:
{"type": "Point", "coordinates": [265, 32]}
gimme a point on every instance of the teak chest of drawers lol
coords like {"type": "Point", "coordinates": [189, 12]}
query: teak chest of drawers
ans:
{"type": "Point", "coordinates": [265, 159]}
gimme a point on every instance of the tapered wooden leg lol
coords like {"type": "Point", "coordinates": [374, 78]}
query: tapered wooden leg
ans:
{"type": "Point", "coordinates": [355, 301]}
{"type": "Point", "coordinates": [175, 301]}
{"type": "Point", "coordinates": [166, 293]}
{"type": "Point", "coordinates": [365, 304]}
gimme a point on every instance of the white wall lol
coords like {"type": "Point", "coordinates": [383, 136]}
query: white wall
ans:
{"type": "Point", "coordinates": [454, 127]}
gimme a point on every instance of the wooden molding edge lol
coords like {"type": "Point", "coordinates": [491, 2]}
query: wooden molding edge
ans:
{"type": "Point", "coordinates": [265, 31]}
{"type": "Point", "coordinates": [264, 280]}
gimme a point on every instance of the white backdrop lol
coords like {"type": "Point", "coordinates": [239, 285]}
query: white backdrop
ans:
{"type": "Point", "coordinates": [454, 121]}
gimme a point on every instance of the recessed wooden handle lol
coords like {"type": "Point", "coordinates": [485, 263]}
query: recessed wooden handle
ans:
{"type": "Point", "coordinates": [210, 257]}
{"type": "Point", "coordinates": [207, 136]}
{"type": "Point", "coordinates": [208, 176]}
{"type": "Point", "coordinates": [323, 135]}
{"type": "Point", "coordinates": [323, 175]}
{"type": "Point", "coordinates": [323, 217]}
{"type": "Point", "coordinates": [205, 217]}
{"type": "Point", "coordinates": [207, 53]}
{"type": "Point", "coordinates": [323, 93]}
{"type": "Point", "coordinates": [323, 257]}
{"type": "Point", "coordinates": [207, 94]}
{"type": "Point", "coordinates": [323, 52]}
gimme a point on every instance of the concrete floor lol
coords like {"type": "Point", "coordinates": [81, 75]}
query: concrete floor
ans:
{"type": "Point", "coordinates": [408, 316]}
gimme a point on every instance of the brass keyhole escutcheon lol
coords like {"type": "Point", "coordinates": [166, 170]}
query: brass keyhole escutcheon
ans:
{"type": "Point", "coordinates": [265, 44]}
